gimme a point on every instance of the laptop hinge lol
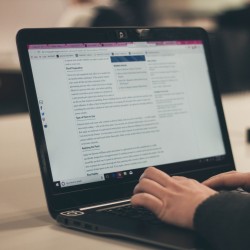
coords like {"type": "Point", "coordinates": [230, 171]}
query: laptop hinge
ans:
{"type": "Point", "coordinates": [105, 205]}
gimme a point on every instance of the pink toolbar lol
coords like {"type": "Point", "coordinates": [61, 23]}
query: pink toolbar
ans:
{"type": "Point", "coordinates": [97, 45]}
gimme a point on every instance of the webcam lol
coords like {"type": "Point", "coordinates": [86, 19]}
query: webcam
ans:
{"type": "Point", "coordinates": [121, 34]}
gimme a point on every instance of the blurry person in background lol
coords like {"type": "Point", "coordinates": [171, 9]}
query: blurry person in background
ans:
{"type": "Point", "coordinates": [232, 48]}
{"type": "Point", "coordinates": [134, 12]}
{"type": "Point", "coordinates": [237, 18]}
{"type": "Point", "coordinates": [94, 13]}
{"type": "Point", "coordinates": [89, 13]}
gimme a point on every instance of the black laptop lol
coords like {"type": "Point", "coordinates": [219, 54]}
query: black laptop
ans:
{"type": "Point", "coordinates": [106, 103]}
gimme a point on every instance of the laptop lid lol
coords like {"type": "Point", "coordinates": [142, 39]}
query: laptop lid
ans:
{"type": "Point", "coordinates": [106, 103]}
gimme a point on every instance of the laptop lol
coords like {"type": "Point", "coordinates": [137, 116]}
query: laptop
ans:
{"type": "Point", "coordinates": [105, 104]}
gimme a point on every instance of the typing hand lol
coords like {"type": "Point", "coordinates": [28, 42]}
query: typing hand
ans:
{"type": "Point", "coordinates": [173, 199]}
{"type": "Point", "coordinates": [229, 180]}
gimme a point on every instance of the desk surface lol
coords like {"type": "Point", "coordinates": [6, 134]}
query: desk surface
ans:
{"type": "Point", "coordinates": [24, 220]}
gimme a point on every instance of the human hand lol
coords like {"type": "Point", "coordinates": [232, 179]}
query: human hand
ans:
{"type": "Point", "coordinates": [229, 180]}
{"type": "Point", "coordinates": [173, 199]}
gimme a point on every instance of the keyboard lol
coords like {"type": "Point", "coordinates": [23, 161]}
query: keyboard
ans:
{"type": "Point", "coordinates": [136, 213]}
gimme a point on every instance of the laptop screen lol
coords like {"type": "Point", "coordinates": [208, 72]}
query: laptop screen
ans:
{"type": "Point", "coordinates": [109, 109]}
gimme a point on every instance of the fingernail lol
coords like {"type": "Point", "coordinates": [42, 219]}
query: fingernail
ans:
{"type": "Point", "coordinates": [141, 176]}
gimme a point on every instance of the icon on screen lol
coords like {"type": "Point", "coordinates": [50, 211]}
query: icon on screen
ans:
{"type": "Point", "coordinates": [119, 175]}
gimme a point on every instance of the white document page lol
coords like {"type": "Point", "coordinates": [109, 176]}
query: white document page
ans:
{"type": "Point", "coordinates": [113, 107]}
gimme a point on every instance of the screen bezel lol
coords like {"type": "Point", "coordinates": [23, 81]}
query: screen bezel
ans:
{"type": "Point", "coordinates": [86, 194]}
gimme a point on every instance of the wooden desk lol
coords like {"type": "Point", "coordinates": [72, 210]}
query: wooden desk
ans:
{"type": "Point", "coordinates": [24, 220]}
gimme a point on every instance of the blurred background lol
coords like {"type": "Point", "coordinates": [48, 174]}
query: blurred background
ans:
{"type": "Point", "coordinates": [227, 21]}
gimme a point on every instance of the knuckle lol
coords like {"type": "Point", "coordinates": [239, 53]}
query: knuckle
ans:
{"type": "Point", "coordinates": [149, 171]}
{"type": "Point", "coordinates": [143, 196]}
{"type": "Point", "coordinates": [143, 182]}
{"type": "Point", "coordinates": [194, 181]}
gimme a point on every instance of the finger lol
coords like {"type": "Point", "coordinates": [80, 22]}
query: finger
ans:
{"type": "Point", "coordinates": [232, 180]}
{"type": "Point", "coordinates": [156, 175]}
{"type": "Point", "coordinates": [150, 187]}
{"type": "Point", "coordinates": [217, 177]}
{"type": "Point", "coordinates": [148, 201]}
{"type": "Point", "coordinates": [222, 174]}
